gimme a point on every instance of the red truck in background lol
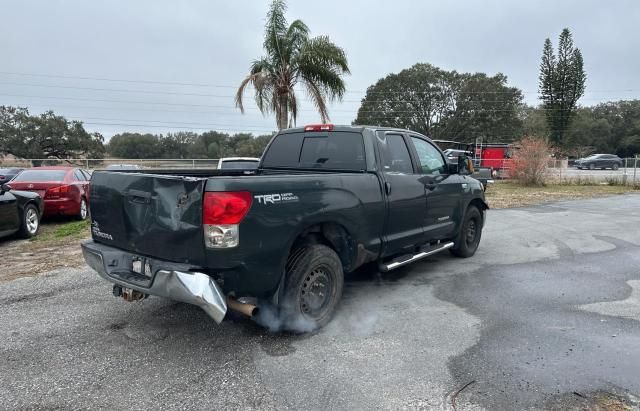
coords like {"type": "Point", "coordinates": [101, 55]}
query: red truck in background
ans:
{"type": "Point", "coordinates": [491, 158]}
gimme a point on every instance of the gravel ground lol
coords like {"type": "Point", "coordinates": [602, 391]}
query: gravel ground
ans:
{"type": "Point", "coordinates": [545, 316]}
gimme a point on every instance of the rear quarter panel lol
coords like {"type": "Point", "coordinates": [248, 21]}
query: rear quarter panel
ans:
{"type": "Point", "coordinates": [283, 207]}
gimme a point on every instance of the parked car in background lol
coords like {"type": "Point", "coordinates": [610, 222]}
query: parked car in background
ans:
{"type": "Point", "coordinates": [20, 212]}
{"type": "Point", "coordinates": [7, 174]}
{"type": "Point", "coordinates": [599, 161]}
{"type": "Point", "coordinates": [65, 190]}
{"type": "Point", "coordinates": [238, 163]}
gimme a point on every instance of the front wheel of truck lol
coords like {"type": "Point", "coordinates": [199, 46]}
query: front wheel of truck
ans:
{"type": "Point", "coordinates": [313, 288]}
{"type": "Point", "coordinates": [468, 239]}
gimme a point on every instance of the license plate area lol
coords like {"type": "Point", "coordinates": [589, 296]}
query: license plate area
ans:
{"type": "Point", "coordinates": [140, 265]}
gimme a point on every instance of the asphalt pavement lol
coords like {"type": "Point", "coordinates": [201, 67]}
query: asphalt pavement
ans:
{"type": "Point", "coordinates": [545, 316]}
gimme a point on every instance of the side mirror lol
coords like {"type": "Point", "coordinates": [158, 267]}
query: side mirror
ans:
{"type": "Point", "coordinates": [465, 165]}
{"type": "Point", "coordinates": [4, 188]}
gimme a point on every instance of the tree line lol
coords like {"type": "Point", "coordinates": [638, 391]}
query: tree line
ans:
{"type": "Point", "coordinates": [185, 144]}
{"type": "Point", "coordinates": [46, 135]}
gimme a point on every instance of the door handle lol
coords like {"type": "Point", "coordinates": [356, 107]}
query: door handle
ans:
{"type": "Point", "coordinates": [387, 188]}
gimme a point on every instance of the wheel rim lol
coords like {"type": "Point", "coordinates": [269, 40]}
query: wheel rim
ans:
{"type": "Point", "coordinates": [315, 293]}
{"type": "Point", "coordinates": [31, 220]}
{"type": "Point", "coordinates": [471, 232]}
{"type": "Point", "coordinates": [83, 209]}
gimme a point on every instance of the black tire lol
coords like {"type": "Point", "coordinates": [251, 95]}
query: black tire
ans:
{"type": "Point", "coordinates": [592, 166]}
{"type": "Point", "coordinates": [468, 239]}
{"type": "Point", "coordinates": [310, 270]}
{"type": "Point", "coordinates": [30, 223]}
{"type": "Point", "coordinates": [84, 210]}
{"type": "Point", "coordinates": [615, 166]}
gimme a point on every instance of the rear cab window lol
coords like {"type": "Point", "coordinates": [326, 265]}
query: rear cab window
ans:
{"type": "Point", "coordinates": [333, 150]}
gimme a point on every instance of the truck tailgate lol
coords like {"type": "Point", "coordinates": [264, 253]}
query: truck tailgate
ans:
{"type": "Point", "coordinates": [153, 215]}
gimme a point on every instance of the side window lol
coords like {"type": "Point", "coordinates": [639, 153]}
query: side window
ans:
{"type": "Point", "coordinates": [86, 174]}
{"type": "Point", "coordinates": [78, 175]}
{"type": "Point", "coordinates": [431, 161]}
{"type": "Point", "coordinates": [395, 155]}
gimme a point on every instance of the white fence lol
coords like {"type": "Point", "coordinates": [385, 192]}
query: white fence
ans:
{"type": "Point", "coordinates": [562, 170]}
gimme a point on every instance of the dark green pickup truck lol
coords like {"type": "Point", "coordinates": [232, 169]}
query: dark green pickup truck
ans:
{"type": "Point", "coordinates": [324, 200]}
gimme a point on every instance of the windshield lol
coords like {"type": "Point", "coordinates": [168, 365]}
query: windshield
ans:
{"type": "Point", "coordinates": [240, 164]}
{"type": "Point", "coordinates": [41, 175]}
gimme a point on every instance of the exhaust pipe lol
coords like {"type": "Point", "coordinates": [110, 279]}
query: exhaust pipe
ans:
{"type": "Point", "coordinates": [128, 294]}
{"type": "Point", "coordinates": [249, 310]}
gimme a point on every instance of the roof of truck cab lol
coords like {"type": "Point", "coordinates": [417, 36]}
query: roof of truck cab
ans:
{"type": "Point", "coordinates": [358, 128]}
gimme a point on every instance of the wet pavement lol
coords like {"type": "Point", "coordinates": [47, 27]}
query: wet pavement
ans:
{"type": "Point", "coordinates": [545, 316]}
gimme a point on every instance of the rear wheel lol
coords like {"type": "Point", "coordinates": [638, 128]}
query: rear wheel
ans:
{"type": "Point", "coordinates": [30, 221]}
{"type": "Point", "coordinates": [313, 288]}
{"type": "Point", "coordinates": [84, 210]}
{"type": "Point", "coordinates": [615, 166]}
{"type": "Point", "coordinates": [468, 239]}
{"type": "Point", "coordinates": [592, 166]}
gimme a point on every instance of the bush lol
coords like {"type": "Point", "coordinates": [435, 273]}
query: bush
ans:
{"type": "Point", "coordinates": [529, 162]}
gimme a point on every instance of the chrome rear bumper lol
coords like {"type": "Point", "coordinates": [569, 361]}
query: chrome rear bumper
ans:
{"type": "Point", "coordinates": [168, 280]}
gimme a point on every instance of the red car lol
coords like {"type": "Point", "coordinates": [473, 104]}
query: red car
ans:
{"type": "Point", "coordinates": [65, 190]}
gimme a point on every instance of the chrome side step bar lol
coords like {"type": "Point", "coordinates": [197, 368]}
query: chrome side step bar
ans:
{"type": "Point", "coordinates": [404, 260]}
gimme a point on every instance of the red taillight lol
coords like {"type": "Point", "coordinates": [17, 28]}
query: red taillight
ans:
{"type": "Point", "coordinates": [225, 207]}
{"type": "Point", "coordinates": [318, 127]}
{"type": "Point", "coordinates": [57, 191]}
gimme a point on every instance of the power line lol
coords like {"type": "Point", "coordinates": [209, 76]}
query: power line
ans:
{"type": "Point", "coordinates": [175, 93]}
{"type": "Point", "coordinates": [235, 110]}
{"type": "Point", "coordinates": [188, 84]}
{"type": "Point", "coordinates": [233, 130]}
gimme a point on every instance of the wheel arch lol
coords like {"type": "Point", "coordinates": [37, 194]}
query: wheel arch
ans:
{"type": "Point", "coordinates": [335, 236]}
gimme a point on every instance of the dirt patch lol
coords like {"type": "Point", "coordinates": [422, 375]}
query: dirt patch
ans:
{"type": "Point", "coordinates": [57, 245]}
{"type": "Point", "coordinates": [508, 195]}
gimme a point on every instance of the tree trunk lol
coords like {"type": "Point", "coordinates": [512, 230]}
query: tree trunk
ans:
{"type": "Point", "coordinates": [283, 111]}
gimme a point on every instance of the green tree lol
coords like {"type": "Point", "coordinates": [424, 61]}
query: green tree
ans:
{"type": "Point", "coordinates": [46, 136]}
{"type": "Point", "coordinates": [135, 145]}
{"type": "Point", "coordinates": [484, 106]}
{"type": "Point", "coordinates": [561, 83]}
{"type": "Point", "coordinates": [292, 57]}
{"type": "Point", "coordinates": [177, 145]}
{"type": "Point", "coordinates": [444, 104]}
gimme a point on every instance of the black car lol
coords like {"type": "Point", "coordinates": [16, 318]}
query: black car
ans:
{"type": "Point", "coordinates": [7, 174]}
{"type": "Point", "coordinates": [599, 161]}
{"type": "Point", "coordinates": [20, 212]}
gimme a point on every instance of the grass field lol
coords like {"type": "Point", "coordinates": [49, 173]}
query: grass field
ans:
{"type": "Point", "coordinates": [504, 194]}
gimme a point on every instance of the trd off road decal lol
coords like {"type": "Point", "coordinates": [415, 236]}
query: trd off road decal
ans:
{"type": "Point", "coordinates": [276, 198]}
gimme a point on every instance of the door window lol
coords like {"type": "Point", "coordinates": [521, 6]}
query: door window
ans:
{"type": "Point", "coordinates": [395, 155]}
{"type": "Point", "coordinates": [431, 160]}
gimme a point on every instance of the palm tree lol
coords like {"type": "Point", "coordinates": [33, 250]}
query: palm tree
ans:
{"type": "Point", "coordinates": [293, 57]}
